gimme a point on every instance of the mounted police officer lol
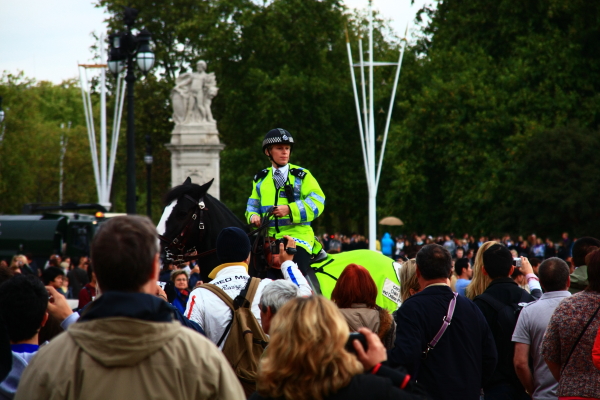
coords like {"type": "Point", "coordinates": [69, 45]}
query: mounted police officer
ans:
{"type": "Point", "coordinates": [295, 195]}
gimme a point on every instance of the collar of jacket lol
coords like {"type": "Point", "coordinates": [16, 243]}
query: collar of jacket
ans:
{"type": "Point", "coordinates": [498, 281]}
{"type": "Point", "coordinates": [217, 269]}
{"type": "Point", "coordinates": [131, 305]}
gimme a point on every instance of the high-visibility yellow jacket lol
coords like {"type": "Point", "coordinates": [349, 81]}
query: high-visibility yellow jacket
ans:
{"type": "Point", "coordinates": [309, 203]}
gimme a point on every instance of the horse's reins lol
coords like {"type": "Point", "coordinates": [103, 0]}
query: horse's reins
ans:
{"type": "Point", "coordinates": [177, 244]}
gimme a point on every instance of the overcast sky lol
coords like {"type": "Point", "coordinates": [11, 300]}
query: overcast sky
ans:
{"type": "Point", "coordinates": [46, 39]}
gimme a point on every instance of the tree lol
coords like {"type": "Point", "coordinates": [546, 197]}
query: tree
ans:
{"type": "Point", "coordinates": [488, 80]}
{"type": "Point", "coordinates": [30, 149]}
{"type": "Point", "coordinates": [280, 64]}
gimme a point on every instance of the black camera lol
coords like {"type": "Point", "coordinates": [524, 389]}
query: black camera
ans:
{"type": "Point", "coordinates": [275, 246]}
{"type": "Point", "coordinates": [356, 336]}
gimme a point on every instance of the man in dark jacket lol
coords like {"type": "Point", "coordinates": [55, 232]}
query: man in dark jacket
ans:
{"type": "Point", "coordinates": [465, 356]}
{"type": "Point", "coordinates": [502, 292]}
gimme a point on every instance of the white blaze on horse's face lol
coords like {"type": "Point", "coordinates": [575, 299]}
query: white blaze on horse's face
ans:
{"type": "Point", "coordinates": [162, 224]}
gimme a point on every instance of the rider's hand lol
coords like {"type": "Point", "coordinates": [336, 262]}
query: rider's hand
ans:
{"type": "Point", "coordinates": [281, 211]}
{"type": "Point", "coordinates": [376, 352]}
{"type": "Point", "coordinates": [58, 306]}
{"type": "Point", "coordinates": [526, 267]}
{"type": "Point", "coordinates": [255, 219]}
{"type": "Point", "coordinates": [283, 255]}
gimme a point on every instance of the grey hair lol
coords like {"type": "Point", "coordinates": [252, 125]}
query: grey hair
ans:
{"type": "Point", "coordinates": [277, 293]}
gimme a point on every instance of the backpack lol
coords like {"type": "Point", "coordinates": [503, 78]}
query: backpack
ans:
{"type": "Point", "coordinates": [506, 321]}
{"type": "Point", "coordinates": [246, 341]}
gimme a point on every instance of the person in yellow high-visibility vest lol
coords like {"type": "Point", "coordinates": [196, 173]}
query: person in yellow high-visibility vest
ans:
{"type": "Point", "coordinates": [295, 194]}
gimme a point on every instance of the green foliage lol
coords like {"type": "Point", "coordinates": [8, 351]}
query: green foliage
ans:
{"type": "Point", "coordinates": [282, 64]}
{"type": "Point", "coordinates": [490, 83]}
{"type": "Point", "coordinates": [30, 149]}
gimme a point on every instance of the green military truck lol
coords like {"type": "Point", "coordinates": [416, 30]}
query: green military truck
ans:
{"type": "Point", "coordinates": [68, 233]}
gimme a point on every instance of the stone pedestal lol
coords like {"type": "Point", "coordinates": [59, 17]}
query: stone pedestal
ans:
{"type": "Point", "coordinates": [195, 152]}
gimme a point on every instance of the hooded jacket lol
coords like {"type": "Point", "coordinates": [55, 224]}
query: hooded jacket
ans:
{"type": "Point", "coordinates": [126, 346]}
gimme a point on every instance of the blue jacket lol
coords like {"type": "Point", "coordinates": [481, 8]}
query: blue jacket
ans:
{"type": "Point", "coordinates": [387, 245]}
{"type": "Point", "coordinates": [464, 358]}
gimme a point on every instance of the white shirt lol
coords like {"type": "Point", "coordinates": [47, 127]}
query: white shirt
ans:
{"type": "Point", "coordinates": [213, 315]}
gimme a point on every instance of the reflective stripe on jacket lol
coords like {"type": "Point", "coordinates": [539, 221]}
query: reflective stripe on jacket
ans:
{"type": "Point", "coordinates": [309, 204]}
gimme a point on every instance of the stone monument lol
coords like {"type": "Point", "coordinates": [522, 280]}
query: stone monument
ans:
{"type": "Point", "coordinates": [195, 147]}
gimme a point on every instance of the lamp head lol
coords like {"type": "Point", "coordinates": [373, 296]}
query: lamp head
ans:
{"type": "Point", "coordinates": [116, 56]}
{"type": "Point", "coordinates": [145, 56]}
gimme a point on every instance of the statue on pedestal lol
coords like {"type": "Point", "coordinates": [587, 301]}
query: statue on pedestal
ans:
{"type": "Point", "coordinates": [192, 96]}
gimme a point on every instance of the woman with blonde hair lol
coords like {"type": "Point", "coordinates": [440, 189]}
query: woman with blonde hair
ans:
{"type": "Point", "coordinates": [480, 280]}
{"type": "Point", "coordinates": [409, 284]}
{"type": "Point", "coordinates": [307, 359]}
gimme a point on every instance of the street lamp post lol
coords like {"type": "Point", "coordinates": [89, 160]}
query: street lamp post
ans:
{"type": "Point", "coordinates": [148, 159]}
{"type": "Point", "coordinates": [125, 47]}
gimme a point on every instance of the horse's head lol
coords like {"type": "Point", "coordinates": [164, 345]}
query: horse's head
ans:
{"type": "Point", "coordinates": [182, 225]}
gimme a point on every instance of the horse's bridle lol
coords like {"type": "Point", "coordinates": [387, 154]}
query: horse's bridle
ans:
{"type": "Point", "coordinates": [176, 245]}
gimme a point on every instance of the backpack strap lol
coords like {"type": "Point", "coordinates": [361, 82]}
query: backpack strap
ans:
{"type": "Point", "coordinates": [220, 293]}
{"type": "Point", "coordinates": [578, 339]}
{"type": "Point", "coordinates": [248, 293]}
{"type": "Point", "coordinates": [491, 301]}
{"type": "Point", "coordinates": [252, 288]}
{"type": "Point", "coordinates": [445, 324]}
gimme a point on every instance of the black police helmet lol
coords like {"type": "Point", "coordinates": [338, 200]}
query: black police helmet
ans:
{"type": "Point", "coordinates": [277, 136]}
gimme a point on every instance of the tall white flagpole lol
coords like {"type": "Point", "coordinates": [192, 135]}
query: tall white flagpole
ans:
{"type": "Point", "coordinates": [360, 125]}
{"type": "Point", "coordinates": [103, 181]}
{"type": "Point", "coordinates": [372, 188]}
{"type": "Point", "coordinates": [389, 115]}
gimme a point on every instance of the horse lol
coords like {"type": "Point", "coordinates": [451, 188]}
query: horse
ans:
{"type": "Point", "coordinates": [192, 220]}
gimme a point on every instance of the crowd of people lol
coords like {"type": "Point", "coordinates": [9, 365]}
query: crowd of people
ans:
{"type": "Point", "coordinates": [486, 319]}
{"type": "Point", "coordinates": [405, 247]}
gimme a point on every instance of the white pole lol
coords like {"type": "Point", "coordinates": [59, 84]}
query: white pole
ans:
{"type": "Point", "coordinates": [93, 145]}
{"type": "Point", "coordinates": [372, 187]}
{"type": "Point", "coordinates": [103, 196]}
{"type": "Point", "coordinates": [389, 116]}
{"type": "Point", "coordinates": [364, 88]}
{"type": "Point", "coordinates": [360, 127]}
{"type": "Point", "coordinates": [87, 106]}
{"type": "Point", "coordinates": [115, 137]}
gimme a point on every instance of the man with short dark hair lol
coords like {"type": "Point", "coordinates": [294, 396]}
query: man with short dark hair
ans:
{"type": "Point", "coordinates": [531, 327]}
{"type": "Point", "coordinates": [53, 276]}
{"type": "Point", "coordinates": [464, 273]}
{"type": "Point", "coordinates": [78, 276]}
{"type": "Point", "coordinates": [23, 301]}
{"type": "Point", "coordinates": [126, 345]}
{"type": "Point", "coordinates": [465, 356]}
{"type": "Point", "coordinates": [579, 277]}
{"type": "Point", "coordinates": [500, 293]}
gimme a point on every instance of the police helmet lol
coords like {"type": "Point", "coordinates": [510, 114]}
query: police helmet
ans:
{"type": "Point", "coordinates": [277, 136]}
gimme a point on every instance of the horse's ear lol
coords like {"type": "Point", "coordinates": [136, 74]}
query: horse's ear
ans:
{"type": "Point", "coordinates": [188, 181]}
{"type": "Point", "coordinates": [204, 188]}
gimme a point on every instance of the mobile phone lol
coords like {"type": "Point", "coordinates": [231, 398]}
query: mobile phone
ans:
{"type": "Point", "coordinates": [517, 262]}
{"type": "Point", "coordinates": [356, 336]}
